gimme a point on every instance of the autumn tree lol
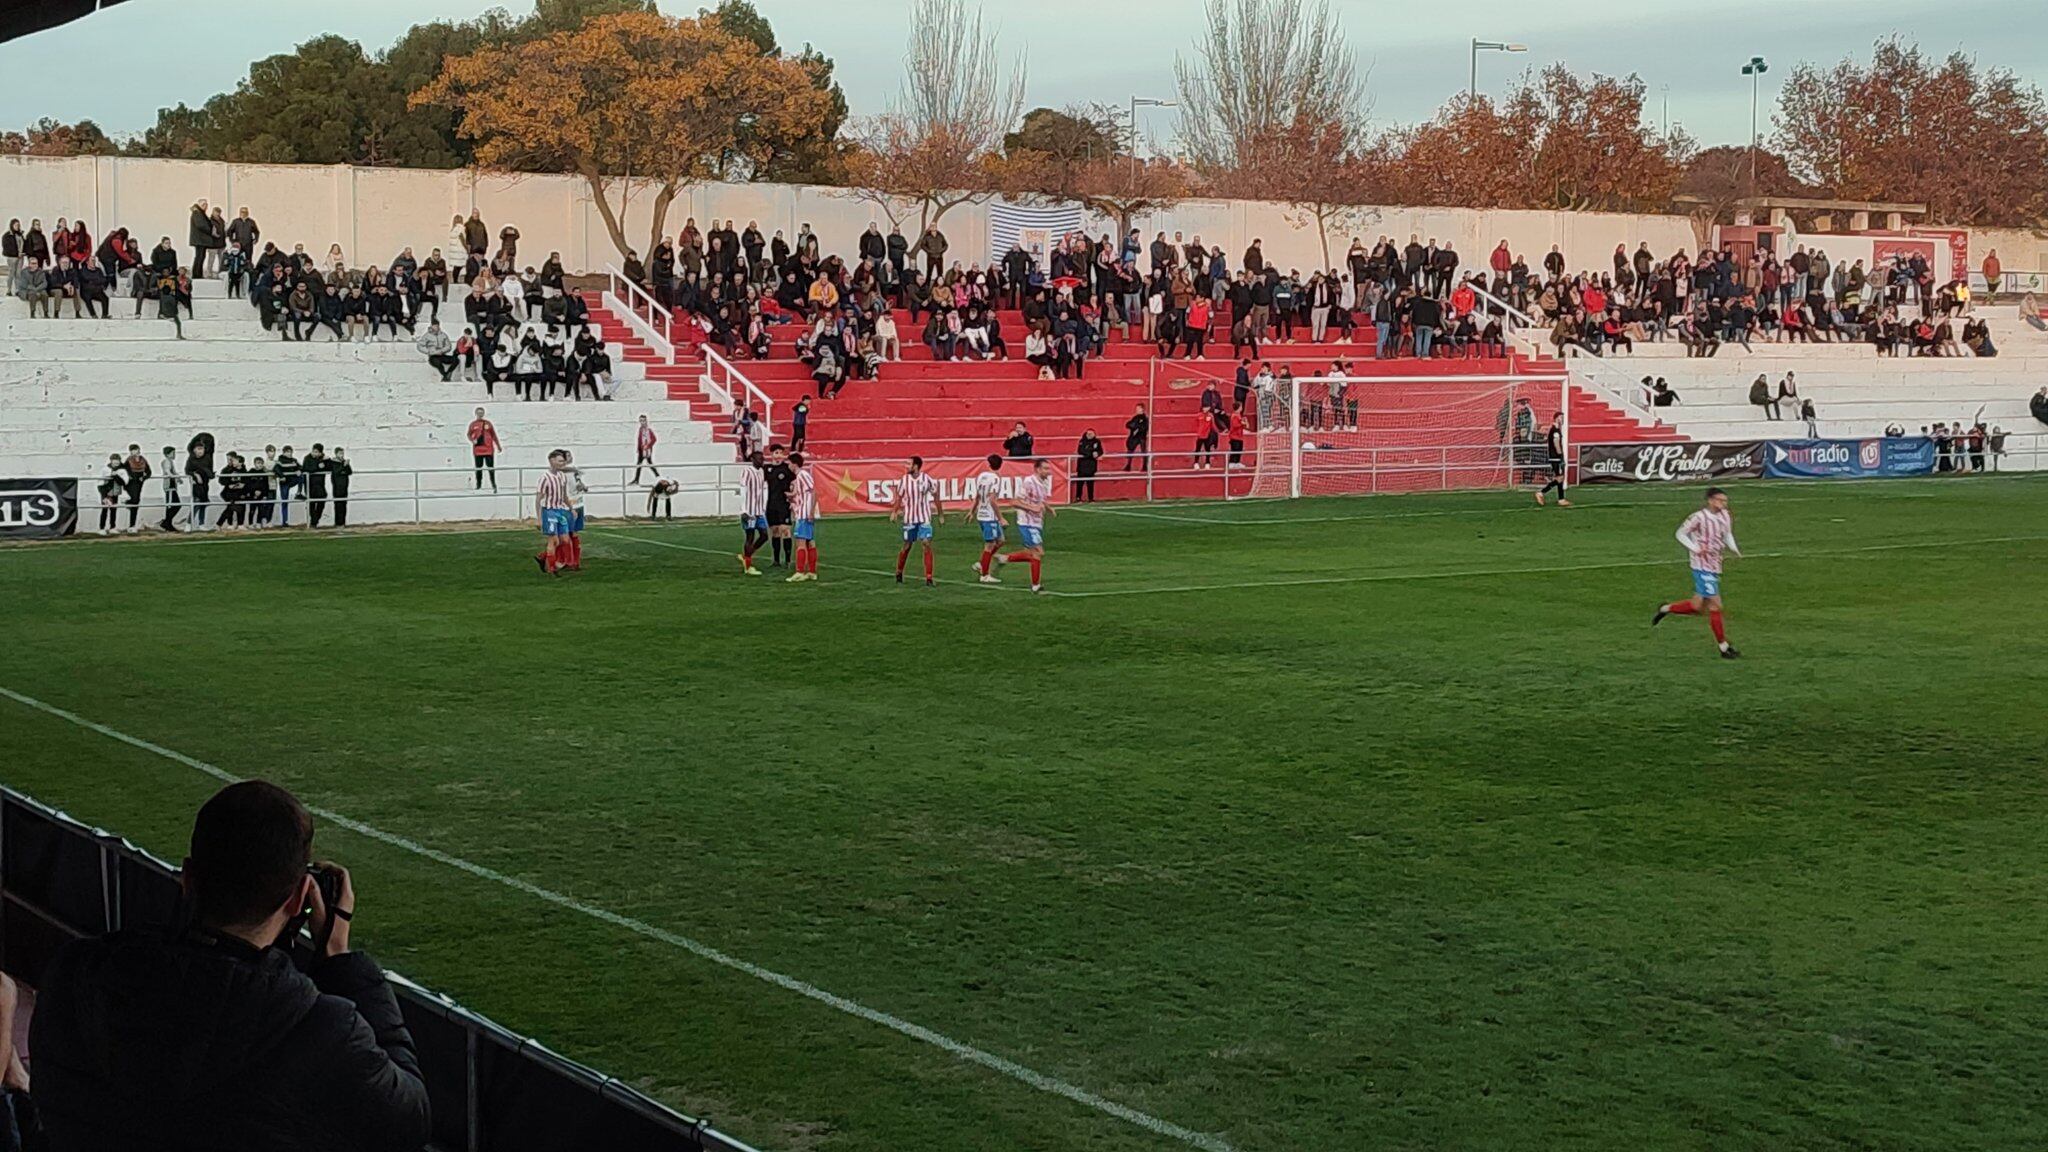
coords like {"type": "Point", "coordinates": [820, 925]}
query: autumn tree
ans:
{"type": "Point", "coordinates": [47, 137]}
{"type": "Point", "coordinates": [1273, 107]}
{"type": "Point", "coordinates": [1083, 155]}
{"type": "Point", "coordinates": [940, 143]}
{"type": "Point", "coordinates": [629, 102]}
{"type": "Point", "coordinates": [1971, 143]}
{"type": "Point", "coordinates": [1718, 178]}
{"type": "Point", "coordinates": [818, 159]}
{"type": "Point", "coordinates": [1595, 152]}
{"type": "Point", "coordinates": [1473, 153]}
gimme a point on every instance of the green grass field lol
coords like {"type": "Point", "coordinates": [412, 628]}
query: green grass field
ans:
{"type": "Point", "coordinates": [1380, 823]}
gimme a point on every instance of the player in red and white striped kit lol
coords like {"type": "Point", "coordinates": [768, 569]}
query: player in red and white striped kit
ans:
{"type": "Point", "coordinates": [753, 511]}
{"type": "Point", "coordinates": [803, 509]}
{"type": "Point", "coordinates": [1034, 504]}
{"type": "Point", "coordinates": [552, 501]}
{"type": "Point", "coordinates": [1707, 534]}
{"type": "Point", "coordinates": [917, 506]}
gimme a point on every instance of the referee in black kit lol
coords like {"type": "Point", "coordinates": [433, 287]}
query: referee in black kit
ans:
{"type": "Point", "coordinates": [781, 478]}
{"type": "Point", "coordinates": [1553, 452]}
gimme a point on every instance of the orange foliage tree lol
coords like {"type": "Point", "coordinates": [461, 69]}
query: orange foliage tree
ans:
{"type": "Point", "coordinates": [630, 101]}
{"type": "Point", "coordinates": [47, 137]}
{"type": "Point", "coordinates": [1970, 143]}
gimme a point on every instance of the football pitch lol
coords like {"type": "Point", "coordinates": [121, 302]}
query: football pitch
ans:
{"type": "Point", "coordinates": [1369, 823]}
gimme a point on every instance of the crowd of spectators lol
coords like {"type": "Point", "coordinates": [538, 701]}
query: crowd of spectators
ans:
{"type": "Point", "coordinates": [255, 491]}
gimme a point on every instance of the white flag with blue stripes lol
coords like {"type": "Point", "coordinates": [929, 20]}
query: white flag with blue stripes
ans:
{"type": "Point", "coordinates": [1036, 230]}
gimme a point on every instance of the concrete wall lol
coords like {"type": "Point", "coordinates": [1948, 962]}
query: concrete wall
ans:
{"type": "Point", "coordinates": [373, 212]}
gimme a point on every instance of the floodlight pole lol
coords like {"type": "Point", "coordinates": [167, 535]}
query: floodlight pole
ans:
{"type": "Point", "coordinates": [1478, 46]}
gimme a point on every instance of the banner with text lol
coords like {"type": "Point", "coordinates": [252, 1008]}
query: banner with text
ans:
{"type": "Point", "coordinates": [38, 509]}
{"type": "Point", "coordinates": [870, 486]}
{"type": "Point", "coordinates": [1877, 456]}
{"type": "Point", "coordinates": [1635, 463]}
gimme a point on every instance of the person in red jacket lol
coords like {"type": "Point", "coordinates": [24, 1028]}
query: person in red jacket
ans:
{"type": "Point", "coordinates": [1502, 260]}
{"type": "Point", "coordinates": [483, 449]}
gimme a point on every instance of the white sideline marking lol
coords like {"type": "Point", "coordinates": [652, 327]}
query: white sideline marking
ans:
{"type": "Point", "coordinates": [730, 555]}
{"type": "Point", "coordinates": [1541, 570]}
{"type": "Point", "coordinates": [1253, 522]}
{"type": "Point", "coordinates": [967, 1052]}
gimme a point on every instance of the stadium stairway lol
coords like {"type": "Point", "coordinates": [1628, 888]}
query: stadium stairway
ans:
{"type": "Point", "coordinates": [965, 408]}
{"type": "Point", "coordinates": [74, 390]}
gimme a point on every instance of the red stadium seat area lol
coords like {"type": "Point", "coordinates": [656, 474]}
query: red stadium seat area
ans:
{"type": "Point", "coordinates": [1410, 410]}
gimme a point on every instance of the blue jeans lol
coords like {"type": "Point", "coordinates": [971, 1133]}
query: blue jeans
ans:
{"type": "Point", "coordinates": [1425, 338]}
{"type": "Point", "coordinates": [284, 501]}
{"type": "Point", "coordinates": [1386, 333]}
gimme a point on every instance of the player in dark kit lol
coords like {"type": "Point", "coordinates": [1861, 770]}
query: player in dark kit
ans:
{"type": "Point", "coordinates": [1553, 451]}
{"type": "Point", "coordinates": [781, 477]}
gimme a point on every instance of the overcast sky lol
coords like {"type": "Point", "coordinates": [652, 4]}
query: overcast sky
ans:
{"type": "Point", "coordinates": [120, 66]}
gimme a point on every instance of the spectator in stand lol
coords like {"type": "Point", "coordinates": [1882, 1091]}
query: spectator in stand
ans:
{"type": "Point", "coordinates": [32, 285]}
{"type": "Point", "coordinates": [932, 245]}
{"type": "Point", "coordinates": [209, 1034]}
{"type": "Point", "coordinates": [168, 472]}
{"type": "Point", "coordinates": [1087, 461]}
{"type": "Point", "coordinates": [10, 248]}
{"type": "Point", "coordinates": [1137, 431]}
{"type": "Point", "coordinates": [439, 350]}
{"type": "Point", "coordinates": [1760, 395]}
{"type": "Point", "coordinates": [1994, 271]}
{"type": "Point", "coordinates": [2038, 405]}
{"type": "Point", "coordinates": [340, 474]}
{"type": "Point", "coordinates": [1018, 445]}
{"type": "Point", "coordinates": [200, 234]}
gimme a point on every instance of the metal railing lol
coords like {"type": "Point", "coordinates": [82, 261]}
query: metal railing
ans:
{"type": "Point", "coordinates": [1604, 378]}
{"type": "Point", "coordinates": [726, 384]}
{"type": "Point", "coordinates": [492, 1090]}
{"type": "Point", "coordinates": [641, 311]}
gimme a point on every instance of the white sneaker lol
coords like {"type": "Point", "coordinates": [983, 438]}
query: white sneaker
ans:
{"type": "Point", "coordinates": [1037, 588]}
{"type": "Point", "coordinates": [990, 580]}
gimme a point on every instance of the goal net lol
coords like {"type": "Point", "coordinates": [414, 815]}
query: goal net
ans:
{"type": "Point", "coordinates": [1337, 435]}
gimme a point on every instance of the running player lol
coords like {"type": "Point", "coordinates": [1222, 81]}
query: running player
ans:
{"type": "Point", "coordinates": [1706, 534]}
{"type": "Point", "coordinates": [551, 497]}
{"type": "Point", "coordinates": [1553, 450]}
{"type": "Point", "coordinates": [917, 506]}
{"type": "Point", "coordinates": [803, 506]}
{"type": "Point", "coordinates": [780, 477]}
{"type": "Point", "coordinates": [1034, 504]}
{"type": "Point", "coordinates": [988, 487]}
{"type": "Point", "coordinates": [753, 511]}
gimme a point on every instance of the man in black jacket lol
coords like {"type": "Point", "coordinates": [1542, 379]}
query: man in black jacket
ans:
{"type": "Point", "coordinates": [339, 470]}
{"type": "Point", "coordinates": [208, 1035]}
{"type": "Point", "coordinates": [316, 467]}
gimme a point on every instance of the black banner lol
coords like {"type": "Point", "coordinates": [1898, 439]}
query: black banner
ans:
{"type": "Point", "coordinates": [1632, 463]}
{"type": "Point", "coordinates": [38, 509]}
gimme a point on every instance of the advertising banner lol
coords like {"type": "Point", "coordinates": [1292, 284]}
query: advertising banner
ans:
{"type": "Point", "coordinates": [1878, 456]}
{"type": "Point", "coordinates": [1635, 463]}
{"type": "Point", "coordinates": [38, 509]}
{"type": "Point", "coordinates": [848, 488]}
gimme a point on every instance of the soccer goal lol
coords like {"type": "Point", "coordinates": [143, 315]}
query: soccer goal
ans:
{"type": "Point", "coordinates": [1348, 435]}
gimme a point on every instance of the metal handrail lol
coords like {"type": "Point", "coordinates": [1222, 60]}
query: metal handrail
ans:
{"type": "Point", "coordinates": [656, 325]}
{"type": "Point", "coordinates": [1630, 394]}
{"type": "Point", "coordinates": [717, 366]}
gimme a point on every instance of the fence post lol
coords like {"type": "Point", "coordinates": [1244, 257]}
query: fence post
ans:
{"type": "Point", "coordinates": [1152, 428]}
{"type": "Point", "coordinates": [473, 1120]}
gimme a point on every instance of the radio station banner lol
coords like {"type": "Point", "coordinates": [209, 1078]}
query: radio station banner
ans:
{"type": "Point", "coordinates": [849, 488]}
{"type": "Point", "coordinates": [1824, 459]}
{"type": "Point", "coordinates": [1637, 463]}
{"type": "Point", "coordinates": [38, 509]}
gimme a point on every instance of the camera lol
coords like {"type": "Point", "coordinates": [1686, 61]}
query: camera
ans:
{"type": "Point", "coordinates": [329, 883]}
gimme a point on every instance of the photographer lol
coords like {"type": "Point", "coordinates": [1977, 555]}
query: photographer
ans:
{"type": "Point", "coordinates": [209, 1035]}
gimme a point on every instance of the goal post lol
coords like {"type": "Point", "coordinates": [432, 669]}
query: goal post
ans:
{"type": "Point", "coordinates": [1332, 435]}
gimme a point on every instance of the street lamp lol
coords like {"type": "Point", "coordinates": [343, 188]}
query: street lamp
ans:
{"type": "Point", "coordinates": [1138, 102]}
{"type": "Point", "coordinates": [1755, 70]}
{"type": "Point", "coordinates": [1478, 46]}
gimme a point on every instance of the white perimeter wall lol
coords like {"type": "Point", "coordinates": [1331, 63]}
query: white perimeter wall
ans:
{"type": "Point", "coordinates": [373, 212]}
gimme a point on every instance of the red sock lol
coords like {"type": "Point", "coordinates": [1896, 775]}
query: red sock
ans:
{"type": "Point", "coordinates": [1034, 569]}
{"type": "Point", "coordinates": [1015, 557]}
{"type": "Point", "coordinates": [988, 553]}
{"type": "Point", "coordinates": [550, 556]}
{"type": "Point", "coordinates": [927, 563]}
{"type": "Point", "coordinates": [902, 558]}
{"type": "Point", "coordinates": [1682, 608]}
{"type": "Point", "coordinates": [811, 559]}
{"type": "Point", "coordinates": [575, 550]}
{"type": "Point", "coordinates": [1714, 621]}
